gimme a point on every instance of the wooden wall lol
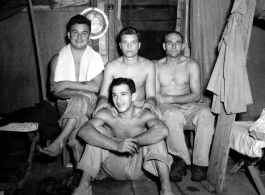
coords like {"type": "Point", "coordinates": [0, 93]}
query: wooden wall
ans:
{"type": "Point", "coordinates": [19, 79]}
{"type": "Point", "coordinates": [256, 71]}
{"type": "Point", "coordinates": [153, 22]}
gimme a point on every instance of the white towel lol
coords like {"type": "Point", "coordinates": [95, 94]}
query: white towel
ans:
{"type": "Point", "coordinates": [91, 65]}
{"type": "Point", "coordinates": [20, 127]}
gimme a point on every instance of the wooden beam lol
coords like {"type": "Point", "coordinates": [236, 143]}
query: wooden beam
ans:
{"type": "Point", "coordinates": [37, 44]}
{"type": "Point", "coordinates": [95, 43]}
{"type": "Point", "coordinates": [220, 146]}
{"type": "Point", "coordinates": [152, 25]}
{"type": "Point", "coordinates": [251, 4]}
{"type": "Point", "coordinates": [103, 40]}
{"type": "Point", "coordinates": [150, 2]}
{"type": "Point", "coordinates": [179, 10]}
{"type": "Point", "coordinates": [150, 13]}
{"type": "Point", "coordinates": [111, 47]}
{"type": "Point", "coordinates": [220, 150]}
{"type": "Point", "coordinates": [118, 26]}
{"type": "Point", "coordinates": [186, 29]}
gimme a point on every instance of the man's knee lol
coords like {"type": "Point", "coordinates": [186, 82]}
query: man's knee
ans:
{"type": "Point", "coordinates": [173, 114]}
{"type": "Point", "coordinates": [77, 98]}
{"type": "Point", "coordinates": [206, 114]}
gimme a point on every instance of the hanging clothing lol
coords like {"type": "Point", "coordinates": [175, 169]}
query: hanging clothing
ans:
{"type": "Point", "coordinates": [229, 81]}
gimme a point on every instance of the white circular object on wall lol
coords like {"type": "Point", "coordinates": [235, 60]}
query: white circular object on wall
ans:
{"type": "Point", "coordinates": [99, 21]}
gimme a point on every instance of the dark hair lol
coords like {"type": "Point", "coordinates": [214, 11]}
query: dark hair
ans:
{"type": "Point", "coordinates": [120, 81]}
{"type": "Point", "coordinates": [173, 32]}
{"type": "Point", "coordinates": [129, 30]}
{"type": "Point", "coordinates": [78, 19]}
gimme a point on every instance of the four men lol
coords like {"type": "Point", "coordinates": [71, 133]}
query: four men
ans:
{"type": "Point", "coordinates": [131, 141]}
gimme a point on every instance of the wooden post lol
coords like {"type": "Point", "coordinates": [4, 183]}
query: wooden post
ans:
{"type": "Point", "coordinates": [36, 38]}
{"type": "Point", "coordinates": [221, 141]}
{"type": "Point", "coordinates": [103, 40]}
{"type": "Point", "coordinates": [95, 42]}
{"type": "Point", "coordinates": [111, 47]}
{"type": "Point", "coordinates": [179, 10]}
{"type": "Point", "coordinates": [118, 26]}
{"type": "Point", "coordinates": [186, 34]}
{"type": "Point", "coordinates": [220, 150]}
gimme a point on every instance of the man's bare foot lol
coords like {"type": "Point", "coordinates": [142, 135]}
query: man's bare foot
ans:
{"type": "Point", "coordinates": [53, 149]}
{"type": "Point", "coordinates": [83, 190]}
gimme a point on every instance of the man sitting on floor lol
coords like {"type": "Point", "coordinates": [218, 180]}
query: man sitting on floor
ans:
{"type": "Point", "coordinates": [133, 146]}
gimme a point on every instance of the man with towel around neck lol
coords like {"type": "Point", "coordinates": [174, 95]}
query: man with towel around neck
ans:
{"type": "Point", "coordinates": [76, 77]}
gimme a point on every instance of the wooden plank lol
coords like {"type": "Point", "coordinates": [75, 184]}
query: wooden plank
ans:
{"type": "Point", "coordinates": [150, 2]}
{"type": "Point", "coordinates": [255, 176]}
{"type": "Point", "coordinates": [62, 4]}
{"type": "Point", "coordinates": [220, 150]}
{"type": "Point", "coordinates": [95, 43]}
{"type": "Point", "coordinates": [186, 29]}
{"type": "Point", "coordinates": [251, 4]}
{"type": "Point", "coordinates": [62, 9]}
{"type": "Point", "coordinates": [4, 108]}
{"type": "Point", "coordinates": [118, 26]}
{"type": "Point", "coordinates": [103, 40]}
{"type": "Point", "coordinates": [111, 40]}
{"type": "Point", "coordinates": [152, 25]}
{"type": "Point", "coordinates": [36, 38]}
{"type": "Point", "coordinates": [220, 147]}
{"type": "Point", "coordinates": [23, 88]}
{"type": "Point", "coordinates": [178, 15]}
{"type": "Point", "coordinates": [149, 13]}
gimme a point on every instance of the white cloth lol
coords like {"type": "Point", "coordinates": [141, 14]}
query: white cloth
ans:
{"type": "Point", "coordinates": [259, 125]}
{"type": "Point", "coordinates": [257, 130]}
{"type": "Point", "coordinates": [243, 143]}
{"type": "Point", "coordinates": [20, 127]}
{"type": "Point", "coordinates": [91, 65]}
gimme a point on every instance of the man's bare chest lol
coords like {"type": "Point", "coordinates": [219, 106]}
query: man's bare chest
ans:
{"type": "Point", "coordinates": [137, 75]}
{"type": "Point", "coordinates": [127, 128]}
{"type": "Point", "coordinates": [173, 77]}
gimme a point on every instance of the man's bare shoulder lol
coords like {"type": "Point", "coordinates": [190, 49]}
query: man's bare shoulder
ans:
{"type": "Point", "coordinates": [55, 57]}
{"type": "Point", "coordinates": [147, 115]}
{"type": "Point", "coordinates": [146, 62]}
{"type": "Point", "coordinates": [161, 62]}
{"type": "Point", "coordinates": [104, 114]}
{"type": "Point", "coordinates": [192, 63]}
{"type": "Point", "coordinates": [54, 61]}
{"type": "Point", "coordinates": [113, 64]}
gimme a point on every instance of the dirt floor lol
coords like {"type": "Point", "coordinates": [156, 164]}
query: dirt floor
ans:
{"type": "Point", "coordinates": [12, 164]}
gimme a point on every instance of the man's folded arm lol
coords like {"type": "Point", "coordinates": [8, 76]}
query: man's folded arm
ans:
{"type": "Point", "coordinates": [156, 132]}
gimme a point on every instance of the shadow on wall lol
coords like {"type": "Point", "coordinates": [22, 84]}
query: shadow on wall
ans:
{"type": "Point", "coordinates": [256, 71]}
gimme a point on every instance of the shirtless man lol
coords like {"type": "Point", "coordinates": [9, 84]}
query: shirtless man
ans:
{"type": "Point", "coordinates": [130, 65]}
{"type": "Point", "coordinates": [133, 146]}
{"type": "Point", "coordinates": [75, 85]}
{"type": "Point", "coordinates": [178, 93]}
